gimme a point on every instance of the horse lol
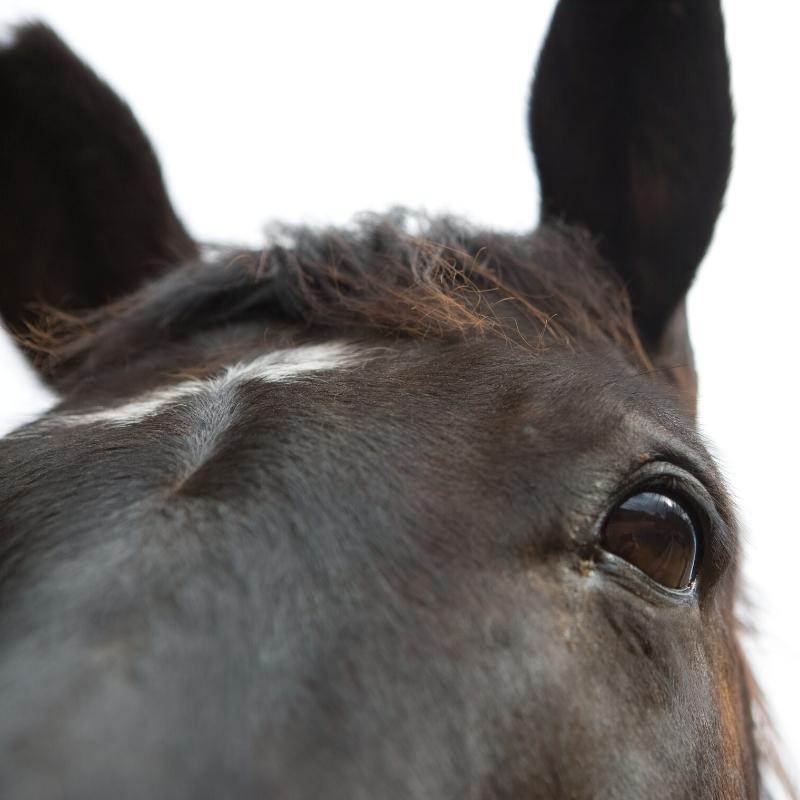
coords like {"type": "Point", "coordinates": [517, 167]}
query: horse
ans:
{"type": "Point", "coordinates": [405, 509]}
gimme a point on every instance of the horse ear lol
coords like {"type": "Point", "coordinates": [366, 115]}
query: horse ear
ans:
{"type": "Point", "coordinates": [84, 216]}
{"type": "Point", "coordinates": [631, 124]}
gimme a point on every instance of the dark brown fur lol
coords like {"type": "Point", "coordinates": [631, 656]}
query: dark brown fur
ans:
{"type": "Point", "coordinates": [385, 579]}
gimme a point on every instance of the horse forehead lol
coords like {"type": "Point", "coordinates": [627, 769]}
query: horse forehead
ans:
{"type": "Point", "coordinates": [483, 380]}
{"type": "Point", "coordinates": [430, 404]}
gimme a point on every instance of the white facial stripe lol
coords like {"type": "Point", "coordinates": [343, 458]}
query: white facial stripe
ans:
{"type": "Point", "coordinates": [275, 367]}
{"type": "Point", "coordinates": [282, 365]}
{"type": "Point", "coordinates": [135, 410]}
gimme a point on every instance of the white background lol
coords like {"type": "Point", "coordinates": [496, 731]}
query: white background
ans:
{"type": "Point", "coordinates": [316, 110]}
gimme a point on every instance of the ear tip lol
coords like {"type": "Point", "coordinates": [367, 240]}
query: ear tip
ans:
{"type": "Point", "coordinates": [28, 34]}
{"type": "Point", "coordinates": [31, 46]}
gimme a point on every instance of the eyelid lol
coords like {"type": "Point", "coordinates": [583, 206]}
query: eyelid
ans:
{"type": "Point", "coordinates": [640, 583]}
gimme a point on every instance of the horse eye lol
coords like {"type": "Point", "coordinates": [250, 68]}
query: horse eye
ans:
{"type": "Point", "coordinates": [655, 533]}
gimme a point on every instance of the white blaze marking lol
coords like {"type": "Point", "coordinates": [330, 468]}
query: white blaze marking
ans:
{"type": "Point", "coordinates": [278, 366]}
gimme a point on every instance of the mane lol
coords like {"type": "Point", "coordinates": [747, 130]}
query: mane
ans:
{"type": "Point", "coordinates": [394, 275]}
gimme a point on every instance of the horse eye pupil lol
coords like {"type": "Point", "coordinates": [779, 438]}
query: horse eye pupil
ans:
{"type": "Point", "coordinates": [655, 533]}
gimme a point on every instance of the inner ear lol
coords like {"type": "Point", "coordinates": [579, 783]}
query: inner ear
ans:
{"type": "Point", "coordinates": [85, 217]}
{"type": "Point", "coordinates": [631, 124]}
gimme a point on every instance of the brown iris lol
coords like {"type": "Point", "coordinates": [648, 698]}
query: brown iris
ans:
{"type": "Point", "coordinates": [655, 533]}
